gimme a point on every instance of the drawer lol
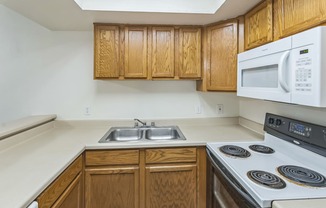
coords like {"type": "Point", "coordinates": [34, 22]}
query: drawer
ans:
{"type": "Point", "coordinates": [170, 155]}
{"type": "Point", "coordinates": [112, 157]}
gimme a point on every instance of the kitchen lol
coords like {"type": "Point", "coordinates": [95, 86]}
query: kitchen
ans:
{"type": "Point", "coordinates": [51, 71]}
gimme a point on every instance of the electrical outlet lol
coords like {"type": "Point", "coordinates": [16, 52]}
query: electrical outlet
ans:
{"type": "Point", "coordinates": [220, 108]}
{"type": "Point", "coordinates": [87, 111]}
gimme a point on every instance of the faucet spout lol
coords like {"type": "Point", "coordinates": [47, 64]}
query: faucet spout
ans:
{"type": "Point", "coordinates": [137, 120]}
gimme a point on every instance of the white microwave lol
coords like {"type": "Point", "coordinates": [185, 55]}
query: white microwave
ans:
{"type": "Point", "coordinates": [290, 70]}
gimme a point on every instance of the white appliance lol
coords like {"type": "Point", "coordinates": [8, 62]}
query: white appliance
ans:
{"type": "Point", "coordinates": [292, 146]}
{"type": "Point", "coordinates": [33, 205]}
{"type": "Point", "coordinates": [290, 70]}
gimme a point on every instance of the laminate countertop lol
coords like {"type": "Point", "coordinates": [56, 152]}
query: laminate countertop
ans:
{"type": "Point", "coordinates": [32, 159]}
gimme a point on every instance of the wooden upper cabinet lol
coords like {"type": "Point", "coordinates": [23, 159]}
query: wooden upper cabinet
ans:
{"type": "Point", "coordinates": [222, 50]}
{"type": "Point", "coordinates": [190, 52]}
{"type": "Point", "coordinates": [162, 53]}
{"type": "Point", "coordinates": [106, 51]}
{"type": "Point", "coordinates": [298, 15]}
{"type": "Point", "coordinates": [135, 52]}
{"type": "Point", "coordinates": [259, 25]}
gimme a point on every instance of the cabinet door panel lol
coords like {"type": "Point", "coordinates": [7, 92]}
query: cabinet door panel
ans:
{"type": "Point", "coordinates": [163, 52]}
{"type": "Point", "coordinates": [135, 52]}
{"type": "Point", "coordinates": [73, 196]}
{"type": "Point", "coordinates": [112, 187]}
{"type": "Point", "coordinates": [222, 57]}
{"type": "Point", "coordinates": [298, 15]}
{"type": "Point", "coordinates": [190, 52]}
{"type": "Point", "coordinates": [57, 188]}
{"type": "Point", "coordinates": [106, 55]}
{"type": "Point", "coordinates": [259, 25]}
{"type": "Point", "coordinates": [171, 186]}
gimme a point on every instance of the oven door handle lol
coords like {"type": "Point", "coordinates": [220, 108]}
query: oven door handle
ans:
{"type": "Point", "coordinates": [235, 186]}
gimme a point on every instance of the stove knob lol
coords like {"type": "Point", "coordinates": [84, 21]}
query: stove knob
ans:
{"type": "Point", "coordinates": [278, 122]}
{"type": "Point", "coordinates": [271, 120]}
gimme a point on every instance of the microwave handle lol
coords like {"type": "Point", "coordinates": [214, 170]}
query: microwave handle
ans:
{"type": "Point", "coordinates": [281, 64]}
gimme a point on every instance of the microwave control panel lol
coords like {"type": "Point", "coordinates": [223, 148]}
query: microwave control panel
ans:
{"type": "Point", "coordinates": [303, 69]}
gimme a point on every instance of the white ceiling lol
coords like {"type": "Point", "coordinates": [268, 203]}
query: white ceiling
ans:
{"type": "Point", "coordinates": [66, 15]}
{"type": "Point", "coordinates": [166, 6]}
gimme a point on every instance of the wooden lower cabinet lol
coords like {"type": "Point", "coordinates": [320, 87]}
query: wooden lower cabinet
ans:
{"type": "Point", "coordinates": [171, 186]}
{"type": "Point", "coordinates": [112, 187]}
{"type": "Point", "coordinates": [169, 177]}
{"type": "Point", "coordinates": [73, 196]}
{"type": "Point", "coordinates": [67, 190]}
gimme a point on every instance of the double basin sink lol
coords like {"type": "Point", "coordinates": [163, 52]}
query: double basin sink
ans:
{"type": "Point", "coordinates": [143, 133]}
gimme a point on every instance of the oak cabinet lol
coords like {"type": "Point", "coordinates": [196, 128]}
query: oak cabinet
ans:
{"type": "Point", "coordinates": [171, 177]}
{"type": "Point", "coordinates": [73, 195]}
{"type": "Point", "coordinates": [106, 51]}
{"type": "Point", "coordinates": [259, 25]}
{"type": "Point", "coordinates": [189, 52]}
{"type": "Point", "coordinates": [67, 190]}
{"type": "Point", "coordinates": [147, 52]}
{"type": "Point", "coordinates": [112, 178]}
{"type": "Point", "coordinates": [163, 52]}
{"type": "Point", "coordinates": [112, 187]}
{"type": "Point", "coordinates": [171, 186]}
{"type": "Point", "coordinates": [151, 178]}
{"type": "Point", "coordinates": [221, 57]}
{"type": "Point", "coordinates": [135, 52]}
{"type": "Point", "coordinates": [298, 15]}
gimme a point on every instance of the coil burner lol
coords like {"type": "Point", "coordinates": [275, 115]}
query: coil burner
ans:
{"type": "Point", "coordinates": [266, 179]}
{"type": "Point", "coordinates": [261, 149]}
{"type": "Point", "coordinates": [302, 176]}
{"type": "Point", "coordinates": [235, 151]}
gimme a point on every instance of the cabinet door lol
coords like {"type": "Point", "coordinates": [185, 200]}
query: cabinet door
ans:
{"type": "Point", "coordinates": [222, 57]}
{"type": "Point", "coordinates": [112, 187]}
{"type": "Point", "coordinates": [163, 52]}
{"type": "Point", "coordinates": [73, 195]}
{"type": "Point", "coordinates": [171, 186]}
{"type": "Point", "coordinates": [259, 25]}
{"type": "Point", "coordinates": [190, 53]}
{"type": "Point", "coordinates": [106, 51]}
{"type": "Point", "coordinates": [298, 15]}
{"type": "Point", "coordinates": [135, 50]}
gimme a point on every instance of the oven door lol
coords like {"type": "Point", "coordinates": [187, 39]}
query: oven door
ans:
{"type": "Point", "coordinates": [223, 190]}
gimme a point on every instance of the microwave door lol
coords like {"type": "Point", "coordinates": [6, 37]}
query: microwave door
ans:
{"type": "Point", "coordinates": [266, 77]}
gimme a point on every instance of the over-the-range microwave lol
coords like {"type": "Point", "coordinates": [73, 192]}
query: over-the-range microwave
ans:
{"type": "Point", "coordinates": [290, 70]}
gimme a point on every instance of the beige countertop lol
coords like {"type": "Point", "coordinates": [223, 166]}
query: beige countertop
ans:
{"type": "Point", "coordinates": [31, 160]}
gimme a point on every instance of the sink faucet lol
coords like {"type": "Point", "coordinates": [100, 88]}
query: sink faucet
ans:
{"type": "Point", "coordinates": [139, 121]}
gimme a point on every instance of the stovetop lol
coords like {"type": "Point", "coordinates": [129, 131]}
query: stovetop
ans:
{"type": "Point", "coordinates": [284, 153]}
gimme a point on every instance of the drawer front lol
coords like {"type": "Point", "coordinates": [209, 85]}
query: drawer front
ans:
{"type": "Point", "coordinates": [112, 157]}
{"type": "Point", "coordinates": [54, 191]}
{"type": "Point", "coordinates": [172, 155]}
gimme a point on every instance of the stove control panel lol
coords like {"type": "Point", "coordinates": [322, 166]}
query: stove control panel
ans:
{"type": "Point", "coordinates": [300, 129]}
{"type": "Point", "coordinates": [307, 135]}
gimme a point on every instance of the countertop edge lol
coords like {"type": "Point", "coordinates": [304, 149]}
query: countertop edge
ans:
{"type": "Point", "coordinates": [15, 127]}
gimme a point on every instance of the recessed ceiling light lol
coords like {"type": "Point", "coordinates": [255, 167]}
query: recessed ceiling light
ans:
{"type": "Point", "coordinates": [162, 6]}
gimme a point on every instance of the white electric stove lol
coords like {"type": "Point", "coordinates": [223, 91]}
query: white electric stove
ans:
{"type": "Point", "coordinates": [289, 164]}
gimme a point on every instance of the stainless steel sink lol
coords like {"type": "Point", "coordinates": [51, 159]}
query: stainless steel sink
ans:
{"type": "Point", "coordinates": [144, 133]}
{"type": "Point", "coordinates": [163, 133]}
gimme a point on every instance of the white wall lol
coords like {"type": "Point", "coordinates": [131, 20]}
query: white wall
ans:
{"type": "Point", "coordinates": [46, 72]}
{"type": "Point", "coordinates": [256, 109]}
